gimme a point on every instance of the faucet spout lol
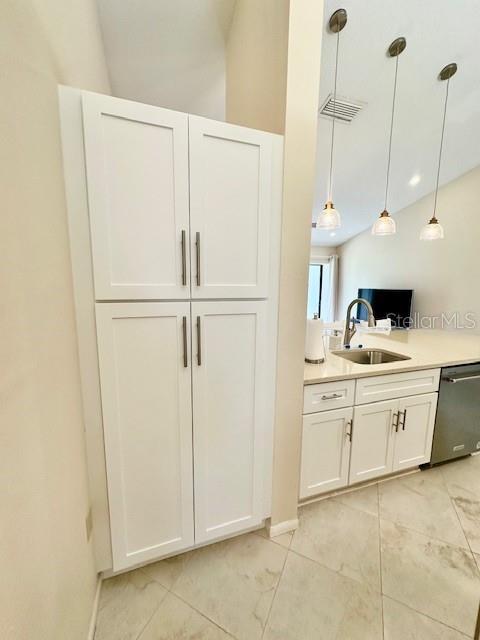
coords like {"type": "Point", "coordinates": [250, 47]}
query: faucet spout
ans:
{"type": "Point", "coordinates": [350, 328]}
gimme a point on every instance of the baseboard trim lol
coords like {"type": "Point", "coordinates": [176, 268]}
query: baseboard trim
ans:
{"type": "Point", "coordinates": [93, 618]}
{"type": "Point", "coordinates": [282, 527]}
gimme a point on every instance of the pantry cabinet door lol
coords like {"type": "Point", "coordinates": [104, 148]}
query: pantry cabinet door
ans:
{"type": "Point", "coordinates": [137, 175]}
{"type": "Point", "coordinates": [373, 440]}
{"type": "Point", "coordinates": [413, 441]}
{"type": "Point", "coordinates": [145, 373]}
{"type": "Point", "coordinates": [230, 209]}
{"type": "Point", "coordinates": [325, 451]}
{"type": "Point", "coordinates": [229, 421]}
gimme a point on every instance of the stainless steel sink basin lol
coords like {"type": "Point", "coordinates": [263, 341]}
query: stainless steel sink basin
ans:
{"type": "Point", "coordinates": [370, 356]}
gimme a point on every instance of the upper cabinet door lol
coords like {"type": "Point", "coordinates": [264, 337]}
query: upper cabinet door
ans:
{"type": "Point", "coordinates": [231, 441]}
{"type": "Point", "coordinates": [230, 209]}
{"type": "Point", "coordinates": [137, 174]}
{"type": "Point", "coordinates": [413, 441]}
{"type": "Point", "coordinates": [145, 368]}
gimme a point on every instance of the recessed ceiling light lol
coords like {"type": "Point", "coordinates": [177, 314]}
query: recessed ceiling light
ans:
{"type": "Point", "coordinates": [333, 234]}
{"type": "Point", "coordinates": [414, 180]}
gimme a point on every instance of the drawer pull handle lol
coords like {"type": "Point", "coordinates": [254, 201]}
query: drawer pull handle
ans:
{"type": "Point", "coordinates": [332, 396]}
{"type": "Point", "coordinates": [350, 431]}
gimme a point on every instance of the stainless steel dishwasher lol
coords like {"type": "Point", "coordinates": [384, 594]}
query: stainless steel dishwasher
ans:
{"type": "Point", "coordinates": [457, 425]}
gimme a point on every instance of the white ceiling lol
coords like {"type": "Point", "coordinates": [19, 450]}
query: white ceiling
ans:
{"type": "Point", "coordinates": [168, 52]}
{"type": "Point", "coordinates": [437, 32]}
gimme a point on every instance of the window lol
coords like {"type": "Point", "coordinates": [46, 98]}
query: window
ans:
{"type": "Point", "coordinates": [319, 291]}
{"type": "Point", "coordinates": [315, 281]}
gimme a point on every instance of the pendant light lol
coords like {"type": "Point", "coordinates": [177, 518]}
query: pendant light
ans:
{"type": "Point", "coordinates": [385, 225]}
{"type": "Point", "coordinates": [434, 230]}
{"type": "Point", "coordinates": [329, 218]}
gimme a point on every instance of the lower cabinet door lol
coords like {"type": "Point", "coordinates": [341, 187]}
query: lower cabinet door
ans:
{"type": "Point", "coordinates": [413, 441]}
{"type": "Point", "coordinates": [229, 400]}
{"type": "Point", "coordinates": [325, 451]}
{"type": "Point", "coordinates": [373, 440]}
{"type": "Point", "coordinates": [145, 373]}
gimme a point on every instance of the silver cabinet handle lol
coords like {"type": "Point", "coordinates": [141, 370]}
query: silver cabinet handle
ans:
{"type": "Point", "coordinates": [350, 432]}
{"type": "Point", "coordinates": [197, 244]}
{"type": "Point", "coordinates": [185, 355]}
{"type": "Point", "coordinates": [332, 396]}
{"type": "Point", "coordinates": [199, 342]}
{"type": "Point", "coordinates": [396, 418]}
{"type": "Point", "coordinates": [184, 259]}
{"type": "Point", "coordinates": [460, 379]}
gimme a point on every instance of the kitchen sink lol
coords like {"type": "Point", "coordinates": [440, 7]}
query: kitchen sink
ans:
{"type": "Point", "coordinates": [370, 356]}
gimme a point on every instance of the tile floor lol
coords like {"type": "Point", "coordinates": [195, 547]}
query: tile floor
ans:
{"type": "Point", "coordinates": [397, 560]}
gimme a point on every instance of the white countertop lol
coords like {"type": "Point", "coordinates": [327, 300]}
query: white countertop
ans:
{"type": "Point", "coordinates": [428, 349]}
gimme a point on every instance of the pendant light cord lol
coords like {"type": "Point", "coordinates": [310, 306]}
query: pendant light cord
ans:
{"type": "Point", "coordinates": [391, 131]}
{"type": "Point", "coordinates": [333, 120]}
{"type": "Point", "coordinates": [441, 149]}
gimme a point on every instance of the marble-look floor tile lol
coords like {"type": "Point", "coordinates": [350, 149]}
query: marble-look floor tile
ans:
{"type": "Point", "coordinates": [284, 539]}
{"type": "Point", "coordinates": [176, 620]}
{"type": "Point", "coordinates": [314, 603]}
{"type": "Point", "coordinates": [166, 571]}
{"type": "Point", "coordinates": [421, 502]}
{"type": "Point", "coordinates": [343, 539]}
{"type": "Point", "coordinates": [365, 499]}
{"type": "Point", "coordinates": [430, 576]}
{"type": "Point", "coordinates": [402, 623]}
{"type": "Point", "coordinates": [233, 583]}
{"type": "Point", "coordinates": [462, 479]}
{"type": "Point", "coordinates": [127, 602]}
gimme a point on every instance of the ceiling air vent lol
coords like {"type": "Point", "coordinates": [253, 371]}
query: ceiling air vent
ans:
{"type": "Point", "coordinates": [345, 110]}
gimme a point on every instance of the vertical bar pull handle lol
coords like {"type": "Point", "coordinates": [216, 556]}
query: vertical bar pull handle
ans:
{"type": "Point", "coordinates": [184, 259]}
{"type": "Point", "coordinates": [197, 244]}
{"type": "Point", "coordinates": [350, 430]}
{"type": "Point", "coordinates": [396, 418]}
{"type": "Point", "coordinates": [199, 342]}
{"type": "Point", "coordinates": [404, 420]}
{"type": "Point", "coordinates": [185, 355]}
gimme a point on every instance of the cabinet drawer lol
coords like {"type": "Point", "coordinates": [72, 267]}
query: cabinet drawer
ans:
{"type": "Point", "coordinates": [328, 395]}
{"type": "Point", "coordinates": [396, 385]}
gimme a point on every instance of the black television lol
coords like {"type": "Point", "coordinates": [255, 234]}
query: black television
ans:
{"type": "Point", "coordinates": [395, 304]}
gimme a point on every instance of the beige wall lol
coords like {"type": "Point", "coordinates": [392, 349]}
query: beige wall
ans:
{"type": "Point", "coordinates": [47, 573]}
{"type": "Point", "coordinates": [256, 63]}
{"type": "Point", "coordinates": [444, 273]}
{"type": "Point", "coordinates": [267, 92]}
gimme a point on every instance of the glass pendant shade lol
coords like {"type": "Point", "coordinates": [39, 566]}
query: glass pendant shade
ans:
{"type": "Point", "coordinates": [432, 231]}
{"type": "Point", "coordinates": [385, 225]}
{"type": "Point", "coordinates": [329, 218]}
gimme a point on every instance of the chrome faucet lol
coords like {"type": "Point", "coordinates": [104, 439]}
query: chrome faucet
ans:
{"type": "Point", "coordinates": [350, 328]}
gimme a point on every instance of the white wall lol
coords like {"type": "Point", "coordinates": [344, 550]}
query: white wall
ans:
{"type": "Point", "coordinates": [444, 273]}
{"type": "Point", "coordinates": [48, 577]}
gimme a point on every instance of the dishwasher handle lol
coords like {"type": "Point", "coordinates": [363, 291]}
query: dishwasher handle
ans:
{"type": "Point", "coordinates": [454, 380]}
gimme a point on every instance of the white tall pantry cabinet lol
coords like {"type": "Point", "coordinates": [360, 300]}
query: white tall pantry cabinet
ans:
{"type": "Point", "coordinates": [183, 222]}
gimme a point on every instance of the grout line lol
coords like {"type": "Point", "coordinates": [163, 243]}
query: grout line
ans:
{"type": "Point", "coordinates": [204, 615]}
{"type": "Point", "coordinates": [275, 593]}
{"type": "Point", "coordinates": [380, 560]}
{"type": "Point", "coordinates": [425, 615]}
{"type": "Point", "coordinates": [151, 617]}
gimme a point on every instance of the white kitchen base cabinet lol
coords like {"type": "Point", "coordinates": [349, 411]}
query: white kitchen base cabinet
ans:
{"type": "Point", "coordinates": [413, 440]}
{"type": "Point", "coordinates": [229, 418]}
{"type": "Point", "coordinates": [372, 440]}
{"type": "Point", "coordinates": [366, 441]}
{"type": "Point", "coordinates": [325, 451]}
{"type": "Point", "coordinates": [145, 369]}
